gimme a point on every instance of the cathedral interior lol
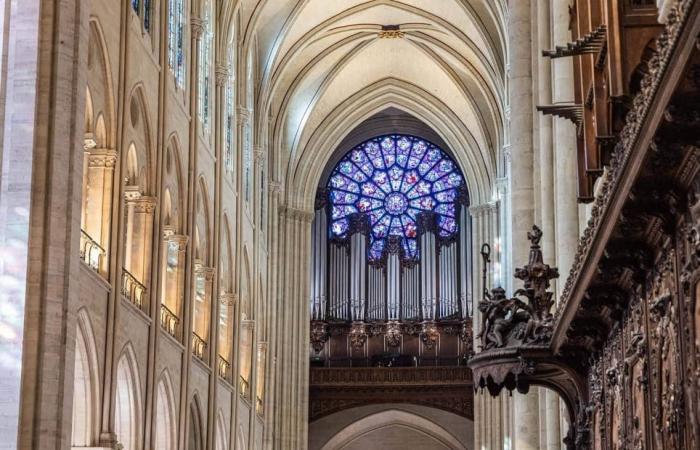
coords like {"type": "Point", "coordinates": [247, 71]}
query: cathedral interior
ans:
{"type": "Point", "coordinates": [350, 224]}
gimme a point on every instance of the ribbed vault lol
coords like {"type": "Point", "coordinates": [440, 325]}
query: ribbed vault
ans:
{"type": "Point", "coordinates": [323, 68]}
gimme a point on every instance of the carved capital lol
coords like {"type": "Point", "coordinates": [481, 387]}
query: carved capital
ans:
{"type": "Point", "coordinates": [131, 193]}
{"type": "Point", "coordinates": [275, 187]}
{"type": "Point", "coordinates": [180, 239]}
{"type": "Point", "coordinates": [102, 157]}
{"type": "Point", "coordinates": [222, 75]}
{"type": "Point", "coordinates": [197, 24]}
{"type": "Point", "coordinates": [259, 154]}
{"type": "Point", "coordinates": [89, 142]}
{"type": "Point", "coordinates": [297, 214]}
{"type": "Point", "coordinates": [228, 299]}
{"type": "Point", "coordinates": [143, 204]}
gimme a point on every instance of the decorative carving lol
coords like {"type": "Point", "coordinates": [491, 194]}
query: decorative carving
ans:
{"type": "Point", "coordinates": [429, 334]}
{"type": "Point", "coordinates": [511, 321]}
{"type": "Point", "coordinates": [358, 334]}
{"type": "Point", "coordinates": [393, 334]}
{"type": "Point", "coordinates": [390, 32]}
{"type": "Point", "coordinates": [319, 335]}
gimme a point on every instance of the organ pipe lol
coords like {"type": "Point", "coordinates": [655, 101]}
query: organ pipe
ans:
{"type": "Point", "coordinates": [344, 286]}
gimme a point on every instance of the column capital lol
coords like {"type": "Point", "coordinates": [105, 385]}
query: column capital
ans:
{"type": "Point", "coordinates": [89, 142]}
{"type": "Point", "coordinates": [259, 154]}
{"type": "Point", "coordinates": [276, 187]}
{"type": "Point", "coordinates": [297, 214]}
{"type": "Point", "coordinates": [222, 75]}
{"type": "Point", "coordinates": [262, 346]}
{"type": "Point", "coordinates": [102, 157]}
{"type": "Point", "coordinates": [180, 239]}
{"type": "Point", "coordinates": [484, 208]}
{"type": "Point", "coordinates": [197, 24]}
{"type": "Point", "coordinates": [228, 298]}
{"type": "Point", "coordinates": [201, 269]}
{"type": "Point", "coordinates": [243, 113]}
{"type": "Point", "coordinates": [247, 324]}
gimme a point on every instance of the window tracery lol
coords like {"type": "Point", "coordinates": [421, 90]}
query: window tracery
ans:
{"type": "Point", "coordinates": [391, 182]}
{"type": "Point", "coordinates": [176, 41]}
{"type": "Point", "coordinates": [205, 56]}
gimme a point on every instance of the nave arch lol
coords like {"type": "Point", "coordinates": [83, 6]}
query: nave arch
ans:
{"type": "Point", "coordinates": [86, 385]}
{"type": "Point", "coordinates": [128, 405]}
{"type": "Point", "coordinates": [166, 430]}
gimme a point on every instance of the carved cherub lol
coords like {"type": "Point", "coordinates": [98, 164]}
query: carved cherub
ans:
{"type": "Point", "coordinates": [497, 318]}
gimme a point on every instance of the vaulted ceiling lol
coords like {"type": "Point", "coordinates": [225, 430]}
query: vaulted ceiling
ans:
{"type": "Point", "coordinates": [323, 67]}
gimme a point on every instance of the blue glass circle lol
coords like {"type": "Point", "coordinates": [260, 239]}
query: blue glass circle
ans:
{"type": "Point", "coordinates": [391, 180]}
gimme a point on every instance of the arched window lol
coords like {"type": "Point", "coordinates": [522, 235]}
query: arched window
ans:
{"type": "Point", "coordinates": [226, 304]}
{"type": "Point", "coordinates": [99, 158]}
{"type": "Point", "coordinates": [205, 56]}
{"type": "Point", "coordinates": [127, 405]}
{"type": "Point", "coordinates": [195, 434]}
{"type": "Point", "coordinates": [85, 389]}
{"type": "Point", "coordinates": [165, 416]}
{"type": "Point", "coordinates": [230, 117]}
{"type": "Point", "coordinates": [174, 245]}
{"type": "Point", "coordinates": [203, 277]}
{"type": "Point", "coordinates": [221, 438]}
{"type": "Point", "coordinates": [176, 41]}
{"type": "Point", "coordinates": [391, 238]}
{"type": "Point", "coordinates": [143, 9]}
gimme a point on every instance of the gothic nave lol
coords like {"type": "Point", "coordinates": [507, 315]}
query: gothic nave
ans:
{"type": "Point", "coordinates": [350, 224]}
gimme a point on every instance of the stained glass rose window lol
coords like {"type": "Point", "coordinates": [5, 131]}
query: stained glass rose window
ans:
{"type": "Point", "coordinates": [392, 180]}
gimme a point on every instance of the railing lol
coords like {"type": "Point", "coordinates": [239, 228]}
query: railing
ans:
{"type": "Point", "coordinates": [168, 320]}
{"type": "Point", "coordinates": [258, 406]}
{"type": "Point", "coordinates": [243, 386]}
{"type": "Point", "coordinates": [132, 288]}
{"type": "Point", "coordinates": [90, 251]}
{"type": "Point", "coordinates": [224, 367]}
{"type": "Point", "coordinates": [199, 346]}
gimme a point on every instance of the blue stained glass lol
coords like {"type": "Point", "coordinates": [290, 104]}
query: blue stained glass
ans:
{"type": "Point", "coordinates": [391, 180]}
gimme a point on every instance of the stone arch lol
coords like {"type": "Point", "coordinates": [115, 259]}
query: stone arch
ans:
{"type": "Point", "coordinates": [173, 185]}
{"type": "Point", "coordinates": [202, 248]}
{"type": "Point", "coordinates": [247, 286]}
{"type": "Point", "coordinates": [86, 382]}
{"type": "Point", "coordinates": [166, 429]}
{"type": "Point", "coordinates": [195, 429]}
{"type": "Point", "coordinates": [127, 404]}
{"type": "Point", "coordinates": [100, 86]}
{"type": "Point", "coordinates": [305, 169]}
{"type": "Point", "coordinates": [392, 418]}
{"type": "Point", "coordinates": [140, 139]}
{"type": "Point", "coordinates": [221, 440]}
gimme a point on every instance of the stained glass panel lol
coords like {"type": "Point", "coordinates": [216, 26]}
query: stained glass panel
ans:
{"type": "Point", "coordinates": [391, 180]}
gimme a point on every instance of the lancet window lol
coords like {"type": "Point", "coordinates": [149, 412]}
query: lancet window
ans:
{"type": "Point", "coordinates": [176, 41]}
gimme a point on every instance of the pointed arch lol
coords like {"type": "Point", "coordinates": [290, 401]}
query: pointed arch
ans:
{"type": "Point", "coordinates": [86, 382]}
{"type": "Point", "coordinates": [221, 440]}
{"type": "Point", "coordinates": [246, 286]}
{"type": "Point", "coordinates": [127, 404]}
{"type": "Point", "coordinates": [100, 83]}
{"type": "Point", "coordinates": [195, 430]}
{"type": "Point", "coordinates": [395, 418]}
{"type": "Point", "coordinates": [140, 137]}
{"type": "Point", "coordinates": [166, 430]}
{"type": "Point", "coordinates": [202, 223]}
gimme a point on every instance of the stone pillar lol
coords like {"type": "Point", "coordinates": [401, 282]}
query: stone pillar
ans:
{"type": "Point", "coordinates": [139, 232]}
{"type": "Point", "coordinates": [260, 377]}
{"type": "Point", "coordinates": [294, 244]}
{"type": "Point", "coordinates": [565, 156]}
{"type": "Point", "coordinates": [520, 172]}
{"type": "Point", "coordinates": [490, 418]}
{"type": "Point", "coordinates": [97, 197]}
{"type": "Point", "coordinates": [245, 355]}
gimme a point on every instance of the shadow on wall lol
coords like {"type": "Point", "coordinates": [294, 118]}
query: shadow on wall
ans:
{"type": "Point", "coordinates": [391, 427]}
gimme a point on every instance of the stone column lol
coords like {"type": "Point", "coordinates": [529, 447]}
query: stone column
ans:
{"type": "Point", "coordinates": [520, 172]}
{"type": "Point", "coordinates": [245, 354]}
{"type": "Point", "coordinates": [294, 244]}
{"type": "Point", "coordinates": [97, 197]}
{"type": "Point", "coordinates": [260, 377]}
{"type": "Point", "coordinates": [490, 431]}
{"type": "Point", "coordinates": [565, 156]}
{"type": "Point", "coordinates": [137, 257]}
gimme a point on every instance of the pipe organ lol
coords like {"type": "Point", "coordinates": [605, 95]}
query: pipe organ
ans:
{"type": "Point", "coordinates": [346, 287]}
{"type": "Point", "coordinates": [390, 257]}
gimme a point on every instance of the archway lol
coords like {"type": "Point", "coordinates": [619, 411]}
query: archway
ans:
{"type": "Point", "coordinates": [127, 405]}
